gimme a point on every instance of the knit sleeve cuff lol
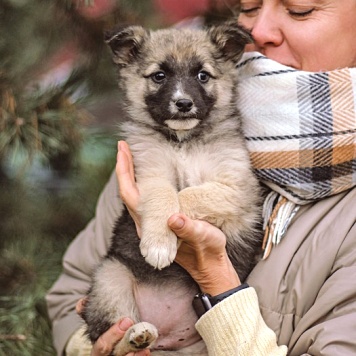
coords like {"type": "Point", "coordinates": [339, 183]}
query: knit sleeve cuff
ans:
{"type": "Point", "coordinates": [235, 327]}
{"type": "Point", "coordinates": [78, 344]}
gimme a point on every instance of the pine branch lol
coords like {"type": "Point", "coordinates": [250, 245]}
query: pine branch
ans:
{"type": "Point", "coordinates": [14, 337]}
{"type": "Point", "coordinates": [48, 123]}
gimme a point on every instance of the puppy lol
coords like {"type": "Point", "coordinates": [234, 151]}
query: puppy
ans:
{"type": "Point", "coordinates": [185, 134]}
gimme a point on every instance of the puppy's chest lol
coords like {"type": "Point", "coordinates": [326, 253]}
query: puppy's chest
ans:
{"type": "Point", "coordinates": [192, 167]}
{"type": "Point", "coordinates": [182, 166]}
{"type": "Point", "coordinates": [185, 167]}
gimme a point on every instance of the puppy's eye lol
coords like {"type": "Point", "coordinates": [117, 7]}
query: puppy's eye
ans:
{"type": "Point", "coordinates": [158, 77]}
{"type": "Point", "coordinates": [203, 77]}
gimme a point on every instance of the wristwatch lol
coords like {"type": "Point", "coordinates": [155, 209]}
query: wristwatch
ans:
{"type": "Point", "coordinates": [203, 302]}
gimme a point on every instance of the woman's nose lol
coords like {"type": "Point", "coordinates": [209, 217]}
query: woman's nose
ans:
{"type": "Point", "coordinates": [266, 29]}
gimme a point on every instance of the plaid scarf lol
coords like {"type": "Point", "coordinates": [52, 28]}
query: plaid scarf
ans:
{"type": "Point", "coordinates": [300, 129]}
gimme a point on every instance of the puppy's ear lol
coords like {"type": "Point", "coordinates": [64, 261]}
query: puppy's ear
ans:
{"type": "Point", "coordinates": [125, 43]}
{"type": "Point", "coordinates": [231, 39]}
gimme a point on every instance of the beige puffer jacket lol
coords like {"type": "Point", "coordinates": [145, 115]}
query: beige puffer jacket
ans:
{"type": "Point", "coordinates": [305, 291]}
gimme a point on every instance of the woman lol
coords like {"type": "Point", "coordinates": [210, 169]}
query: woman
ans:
{"type": "Point", "coordinates": [299, 114]}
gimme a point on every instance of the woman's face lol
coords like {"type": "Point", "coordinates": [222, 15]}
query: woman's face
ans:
{"type": "Point", "coordinates": [311, 35]}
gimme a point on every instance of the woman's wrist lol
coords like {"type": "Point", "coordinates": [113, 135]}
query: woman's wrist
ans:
{"type": "Point", "coordinates": [203, 255]}
{"type": "Point", "coordinates": [219, 278]}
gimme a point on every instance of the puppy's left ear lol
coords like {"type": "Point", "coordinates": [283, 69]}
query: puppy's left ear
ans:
{"type": "Point", "coordinates": [231, 39]}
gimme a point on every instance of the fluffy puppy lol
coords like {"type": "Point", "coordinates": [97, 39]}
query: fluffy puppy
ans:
{"type": "Point", "coordinates": [184, 131]}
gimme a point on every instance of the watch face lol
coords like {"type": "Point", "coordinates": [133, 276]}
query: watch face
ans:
{"type": "Point", "coordinates": [201, 304]}
{"type": "Point", "coordinates": [198, 306]}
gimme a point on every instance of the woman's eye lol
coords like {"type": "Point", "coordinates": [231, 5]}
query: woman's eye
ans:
{"type": "Point", "coordinates": [203, 77]}
{"type": "Point", "coordinates": [158, 77]}
{"type": "Point", "coordinates": [249, 11]}
{"type": "Point", "coordinates": [300, 13]}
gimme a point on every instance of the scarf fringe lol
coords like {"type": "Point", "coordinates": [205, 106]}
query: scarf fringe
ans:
{"type": "Point", "coordinates": [278, 213]}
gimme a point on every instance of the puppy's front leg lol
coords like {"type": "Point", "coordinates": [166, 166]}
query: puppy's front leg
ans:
{"type": "Point", "coordinates": [159, 201]}
{"type": "Point", "coordinates": [224, 206]}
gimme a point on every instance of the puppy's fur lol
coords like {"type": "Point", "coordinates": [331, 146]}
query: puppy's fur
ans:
{"type": "Point", "coordinates": [185, 135]}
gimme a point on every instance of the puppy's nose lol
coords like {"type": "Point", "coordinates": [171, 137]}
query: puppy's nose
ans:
{"type": "Point", "coordinates": [184, 105]}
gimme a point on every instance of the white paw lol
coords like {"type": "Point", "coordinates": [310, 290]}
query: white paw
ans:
{"type": "Point", "coordinates": [142, 335]}
{"type": "Point", "coordinates": [161, 252]}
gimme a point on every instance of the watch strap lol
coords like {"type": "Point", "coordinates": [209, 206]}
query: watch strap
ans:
{"type": "Point", "coordinates": [203, 302]}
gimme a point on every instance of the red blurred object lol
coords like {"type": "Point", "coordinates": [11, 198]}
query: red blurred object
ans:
{"type": "Point", "coordinates": [173, 11]}
{"type": "Point", "coordinates": [98, 9]}
{"type": "Point", "coordinates": [57, 68]}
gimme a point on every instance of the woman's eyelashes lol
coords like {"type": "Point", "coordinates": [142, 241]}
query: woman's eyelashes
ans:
{"type": "Point", "coordinates": [300, 13]}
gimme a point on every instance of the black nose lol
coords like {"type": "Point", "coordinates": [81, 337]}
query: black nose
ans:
{"type": "Point", "coordinates": [184, 105]}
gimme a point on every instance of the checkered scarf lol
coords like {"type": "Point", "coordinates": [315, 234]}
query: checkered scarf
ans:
{"type": "Point", "coordinates": [300, 129]}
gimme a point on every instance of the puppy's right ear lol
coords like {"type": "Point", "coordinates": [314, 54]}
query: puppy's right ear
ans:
{"type": "Point", "coordinates": [125, 43]}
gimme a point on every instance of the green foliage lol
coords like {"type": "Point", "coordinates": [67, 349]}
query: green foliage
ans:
{"type": "Point", "coordinates": [47, 122]}
{"type": "Point", "coordinates": [39, 117]}
{"type": "Point", "coordinates": [54, 160]}
{"type": "Point", "coordinates": [38, 220]}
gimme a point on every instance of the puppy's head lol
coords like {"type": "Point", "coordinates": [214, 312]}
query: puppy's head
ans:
{"type": "Point", "coordinates": [175, 80]}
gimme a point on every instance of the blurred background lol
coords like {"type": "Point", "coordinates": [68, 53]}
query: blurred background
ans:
{"type": "Point", "coordinates": [59, 112]}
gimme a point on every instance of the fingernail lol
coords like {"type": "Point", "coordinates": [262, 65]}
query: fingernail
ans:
{"type": "Point", "coordinates": [125, 324]}
{"type": "Point", "coordinates": [119, 149]}
{"type": "Point", "coordinates": [178, 223]}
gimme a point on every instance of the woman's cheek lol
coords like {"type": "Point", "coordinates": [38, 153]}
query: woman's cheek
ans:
{"type": "Point", "coordinates": [251, 47]}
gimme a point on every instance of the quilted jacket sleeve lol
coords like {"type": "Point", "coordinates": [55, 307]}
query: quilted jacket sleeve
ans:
{"type": "Point", "coordinates": [82, 255]}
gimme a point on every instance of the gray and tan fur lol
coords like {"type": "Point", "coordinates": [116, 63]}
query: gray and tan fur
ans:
{"type": "Point", "coordinates": [185, 135]}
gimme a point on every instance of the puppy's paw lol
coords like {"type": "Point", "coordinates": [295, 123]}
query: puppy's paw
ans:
{"type": "Point", "coordinates": [142, 335]}
{"type": "Point", "coordinates": [139, 336]}
{"type": "Point", "coordinates": [160, 250]}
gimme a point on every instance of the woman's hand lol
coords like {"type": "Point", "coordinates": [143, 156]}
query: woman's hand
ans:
{"type": "Point", "coordinates": [128, 189]}
{"type": "Point", "coordinates": [203, 254]}
{"type": "Point", "coordinates": [107, 341]}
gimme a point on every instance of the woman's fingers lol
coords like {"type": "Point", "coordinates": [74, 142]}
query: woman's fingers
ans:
{"type": "Point", "coordinates": [126, 177]}
{"type": "Point", "coordinates": [80, 306]}
{"type": "Point", "coordinates": [106, 342]}
{"type": "Point", "coordinates": [127, 185]}
{"type": "Point", "coordinates": [203, 254]}
{"type": "Point", "coordinates": [124, 147]}
{"type": "Point", "coordinates": [196, 232]}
